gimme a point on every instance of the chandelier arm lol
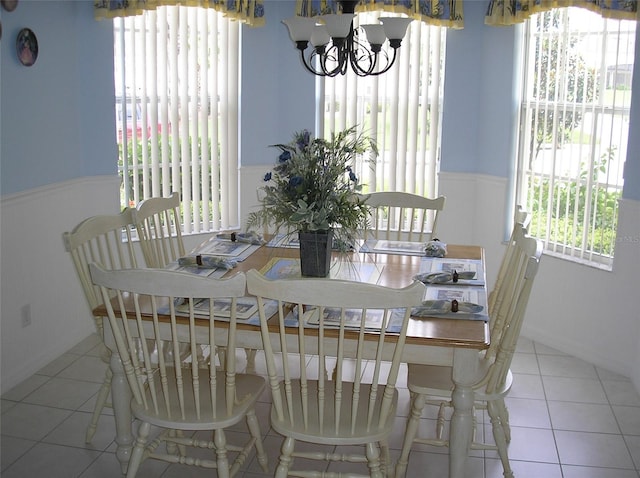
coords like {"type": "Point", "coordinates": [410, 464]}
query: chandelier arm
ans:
{"type": "Point", "coordinates": [389, 64]}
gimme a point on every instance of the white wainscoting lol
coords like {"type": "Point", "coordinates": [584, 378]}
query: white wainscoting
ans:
{"type": "Point", "coordinates": [37, 273]}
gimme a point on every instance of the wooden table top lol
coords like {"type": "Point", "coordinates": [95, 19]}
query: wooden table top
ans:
{"type": "Point", "coordinates": [398, 271]}
{"type": "Point", "coordinates": [395, 271]}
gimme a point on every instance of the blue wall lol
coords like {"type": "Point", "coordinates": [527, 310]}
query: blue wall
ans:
{"type": "Point", "coordinates": [57, 116]}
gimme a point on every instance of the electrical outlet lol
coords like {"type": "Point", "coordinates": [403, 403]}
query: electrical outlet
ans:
{"type": "Point", "coordinates": [25, 315]}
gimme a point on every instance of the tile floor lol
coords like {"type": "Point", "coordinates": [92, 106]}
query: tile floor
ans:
{"type": "Point", "coordinates": [569, 420]}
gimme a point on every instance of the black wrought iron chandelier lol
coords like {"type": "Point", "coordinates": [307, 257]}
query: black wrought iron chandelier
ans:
{"type": "Point", "coordinates": [336, 44]}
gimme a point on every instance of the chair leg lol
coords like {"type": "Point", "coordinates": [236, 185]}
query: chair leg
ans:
{"type": "Point", "coordinates": [222, 459]}
{"type": "Point", "coordinates": [254, 429]}
{"type": "Point", "coordinates": [101, 402]}
{"type": "Point", "coordinates": [285, 457]}
{"type": "Point", "coordinates": [373, 460]}
{"type": "Point", "coordinates": [499, 436]}
{"type": "Point", "coordinates": [504, 419]}
{"type": "Point", "coordinates": [385, 459]}
{"type": "Point", "coordinates": [410, 434]}
{"type": "Point", "coordinates": [138, 450]}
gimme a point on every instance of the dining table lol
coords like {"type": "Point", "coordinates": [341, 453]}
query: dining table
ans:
{"type": "Point", "coordinates": [441, 339]}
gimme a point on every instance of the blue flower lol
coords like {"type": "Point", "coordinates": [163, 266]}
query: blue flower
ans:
{"type": "Point", "coordinates": [295, 181]}
{"type": "Point", "coordinates": [267, 177]}
{"type": "Point", "coordinates": [284, 156]}
{"type": "Point", "coordinates": [303, 139]}
{"type": "Point", "coordinates": [353, 176]}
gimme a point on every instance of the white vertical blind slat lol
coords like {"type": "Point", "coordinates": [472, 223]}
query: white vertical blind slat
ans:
{"type": "Point", "coordinates": [179, 68]}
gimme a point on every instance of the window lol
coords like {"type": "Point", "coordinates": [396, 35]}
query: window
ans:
{"type": "Point", "coordinates": [574, 130]}
{"type": "Point", "coordinates": [179, 67]}
{"type": "Point", "coordinates": [400, 109]}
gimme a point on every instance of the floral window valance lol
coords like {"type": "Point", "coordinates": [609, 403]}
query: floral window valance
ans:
{"type": "Point", "coordinates": [446, 13]}
{"type": "Point", "coordinates": [250, 12]}
{"type": "Point", "coordinates": [510, 12]}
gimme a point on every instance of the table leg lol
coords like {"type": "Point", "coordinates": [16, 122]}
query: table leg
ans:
{"type": "Point", "coordinates": [465, 368]}
{"type": "Point", "coordinates": [121, 401]}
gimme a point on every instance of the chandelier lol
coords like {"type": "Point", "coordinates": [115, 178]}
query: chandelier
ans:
{"type": "Point", "coordinates": [336, 44]}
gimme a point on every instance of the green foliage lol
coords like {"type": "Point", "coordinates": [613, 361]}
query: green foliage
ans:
{"type": "Point", "coordinates": [313, 186]}
{"type": "Point", "coordinates": [567, 203]}
{"type": "Point", "coordinates": [136, 168]}
{"type": "Point", "coordinates": [560, 76]}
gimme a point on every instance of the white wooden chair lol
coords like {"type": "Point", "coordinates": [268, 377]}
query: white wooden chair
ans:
{"type": "Point", "coordinates": [521, 220]}
{"type": "Point", "coordinates": [175, 397]}
{"type": "Point", "coordinates": [433, 385]}
{"type": "Point", "coordinates": [352, 407]}
{"type": "Point", "coordinates": [401, 216]}
{"type": "Point", "coordinates": [105, 239]}
{"type": "Point", "coordinates": [159, 230]}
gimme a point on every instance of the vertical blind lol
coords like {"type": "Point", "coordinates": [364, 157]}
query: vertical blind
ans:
{"type": "Point", "coordinates": [177, 77]}
{"type": "Point", "coordinates": [575, 127]}
{"type": "Point", "coordinates": [400, 109]}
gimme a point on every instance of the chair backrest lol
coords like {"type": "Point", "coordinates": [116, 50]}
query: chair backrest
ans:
{"type": "Point", "coordinates": [161, 382]}
{"type": "Point", "coordinates": [510, 312]}
{"type": "Point", "coordinates": [104, 239]}
{"type": "Point", "coordinates": [521, 220]}
{"type": "Point", "coordinates": [159, 230]}
{"type": "Point", "coordinates": [401, 216]}
{"type": "Point", "coordinates": [330, 310]}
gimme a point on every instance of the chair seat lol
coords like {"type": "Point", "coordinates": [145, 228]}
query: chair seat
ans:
{"type": "Point", "coordinates": [436, 381]}
{"type": "Point", "coordinates": [170, 414]}
{"type": "Point", "coordinates": [324, 430]}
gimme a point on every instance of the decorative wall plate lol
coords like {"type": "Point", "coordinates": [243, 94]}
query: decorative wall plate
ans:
{"type": "Point", "coordinates": [9, 5]}
{"type": "Point", "coordinates": [27, 47]}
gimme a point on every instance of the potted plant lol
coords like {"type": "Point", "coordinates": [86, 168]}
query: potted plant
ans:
{"type": "Point", "coordinates": [313, 190]}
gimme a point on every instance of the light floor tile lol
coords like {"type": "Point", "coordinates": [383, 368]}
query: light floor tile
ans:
{"type": "Point", "coordinates": [566, 366]}
{"type": "Point", "coordinates": [529, 444]}
{"type": "Point", "coordinates": [51, 461]}
{"type": "Point", "coordinates": [87, 368]}
{"type": "Point", "coordinates": [633, 444]}
{"type": "Point", "coordinates": [542, 349]}
{"type": "Point", "coordinates": [13, 448]}
{"type": "Point", "coordinates": [568, 420]}
{"type": "Point", "coordinates": [33, 422]}
{"type": "Point", "coordinates": [63, 393]}
{"type": "Point", "coordinates": [528, 413]}
{"type": "Point", "coordinates": [527, 386]}
{"type": "Point", "coordinates": [525, 363]}
{"type": "Point", "coordinates": [72, 432]}
{"type": "Point", "coordinates": [430, 464]}
{"type": "Point", "coordinates": [523, 469]}
{"type": "Point", "coordinates": [621, 393]}
{"type": "Point", "coordinates": [571, 389]}
{"type": "Point", "coordinates": [570, 471]}
{"type": "Point", "coordinates": [593, 449]}
{"type": "Point", "coordinates": [525, 345]}
{"type": "Point", "coordinates": [26, 387]}
{"type": "Point", "coordinates": [56, 366]}
{"type": "Point", "coordinates": [584, 417]}
{"type": "Point", "coordinates": [628, 418]}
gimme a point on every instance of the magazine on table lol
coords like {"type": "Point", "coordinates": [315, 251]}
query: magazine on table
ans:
{"type": "Point", "coordinates": [394, 247]}
{"type": "Point", "coordinates": [289, 268]}
{"type": "Point", "coordinates": [245, 307]}
{"type": "Point", "coordinates": [222, 247]}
